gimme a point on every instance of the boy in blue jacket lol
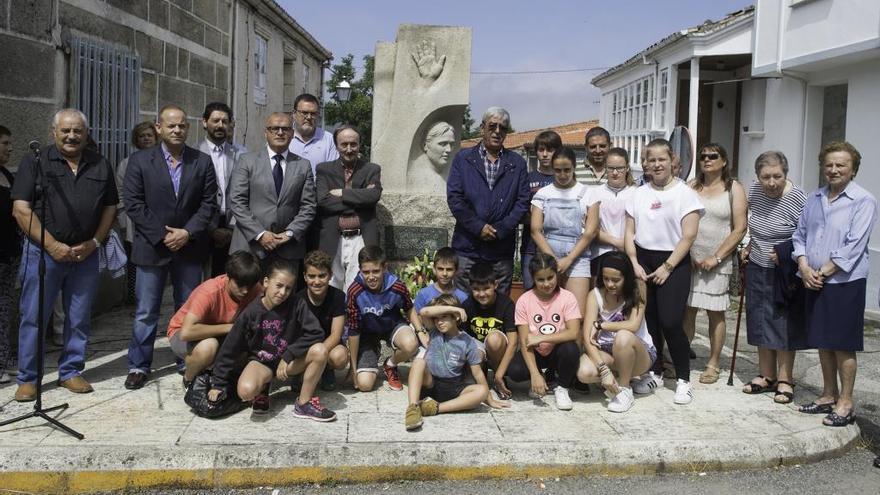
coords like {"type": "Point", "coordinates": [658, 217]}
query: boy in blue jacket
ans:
{"type": "Point", "coordinates": [379, 305]}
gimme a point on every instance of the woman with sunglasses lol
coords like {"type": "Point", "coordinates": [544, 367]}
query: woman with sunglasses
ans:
{"type": "Point", "coordinates": [721, 229]}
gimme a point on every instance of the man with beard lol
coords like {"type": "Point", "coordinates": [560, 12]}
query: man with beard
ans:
{"type": "Point", "coordinates": [597, 142]}
{"type": "Point", "coordinates": [78, 207]}
{"type": "Point", "coordinates": [170, 194]}
{"type": "Point", "coordinates": [217, 122]}
{"type": "Point", "coordinates": [310, 141]}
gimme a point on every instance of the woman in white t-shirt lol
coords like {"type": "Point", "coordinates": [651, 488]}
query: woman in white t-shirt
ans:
{"type": "Point", "coordinates": [662, 219]}
{"type": "Point", "coordinates": [612, 198]}
{"type": "Point", "coordinates": [562, 225]}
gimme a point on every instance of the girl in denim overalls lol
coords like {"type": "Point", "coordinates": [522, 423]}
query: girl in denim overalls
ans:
{"type": "Point", "coordinates": [563, 225]}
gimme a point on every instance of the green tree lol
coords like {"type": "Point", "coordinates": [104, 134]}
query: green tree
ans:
{"type": "Point", "coordinates": [358, 110]}
{"type": "Point", "coordinates": [468, 126]}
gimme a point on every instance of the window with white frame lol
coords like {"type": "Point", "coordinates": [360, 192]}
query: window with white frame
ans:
{"type": "Point", "coordinates": [664, 90]}
{"type": "Point", "coordinates": [261, 57]}
{"type": "Point", "coordinates": [631, 109]}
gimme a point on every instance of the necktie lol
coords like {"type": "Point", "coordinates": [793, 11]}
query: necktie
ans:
{"type": "Point", "coordinates": [278, 174]}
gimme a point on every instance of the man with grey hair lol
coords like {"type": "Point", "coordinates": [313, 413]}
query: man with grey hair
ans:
{"type": "Point", "coordinates": [488, 194]}
{"type": "Point", "coordinates": [78, 207]}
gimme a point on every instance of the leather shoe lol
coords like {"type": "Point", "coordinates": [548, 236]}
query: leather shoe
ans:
{"type": "Point", "coordinates": [135, 380]}
{"type": "Point", "coordinates": [26, 392]}
{"type": "Point", "coordinates": [77, 385]}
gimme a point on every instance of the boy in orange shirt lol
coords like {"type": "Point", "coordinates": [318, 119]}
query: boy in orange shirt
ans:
{"type": "Point", "coordinates": [200, 325]}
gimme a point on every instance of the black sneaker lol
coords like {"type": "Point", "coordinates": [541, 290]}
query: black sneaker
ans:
{"type": "Point", "coordinates": [328, 380]}
{"type": "Point", "coordinates": [261, 404]}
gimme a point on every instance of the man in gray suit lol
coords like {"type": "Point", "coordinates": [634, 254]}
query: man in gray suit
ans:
{"type": "Point", "coordinates": [217, 122]}
{"type": "Point", "coordinates": [272, 197]}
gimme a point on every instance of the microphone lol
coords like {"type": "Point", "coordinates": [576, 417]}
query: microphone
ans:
{"type": "Point", "coordinates": [34, 147]}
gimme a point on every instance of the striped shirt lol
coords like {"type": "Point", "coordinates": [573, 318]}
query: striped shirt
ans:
{"type": "Point", "coordinates": [772, 221]}
{"type": "Point", "coordinates": [837, 230]}
{"type": "Point", "coordinates": [590, 178]}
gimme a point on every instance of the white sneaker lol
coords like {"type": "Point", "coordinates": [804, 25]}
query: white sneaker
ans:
{"type": "Point", "coordinates": [683, 392]}
{"type": "Point", "coordinates": [623, 401]}
{"type": "Point", "coordinates": [646, 383]}
{"type": "Point", "coordinates": [563, 401]}
{"type": "Point", "coordinates": [4, 377]}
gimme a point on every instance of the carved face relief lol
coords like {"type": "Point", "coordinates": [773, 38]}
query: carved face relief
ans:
{"type": "Point", "coordinates": [438, 145]}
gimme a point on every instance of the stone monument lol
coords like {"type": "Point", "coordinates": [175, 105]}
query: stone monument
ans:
{"type": "Point", "coordinates": [420, 92]}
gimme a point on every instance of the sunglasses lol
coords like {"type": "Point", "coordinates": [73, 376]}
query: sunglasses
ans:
{"type": "Point", "coordinates": [494, 127]}
{"type": "Point", "coordinates": [709, 156]}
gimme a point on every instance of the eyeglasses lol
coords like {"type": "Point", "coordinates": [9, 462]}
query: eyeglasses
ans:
{"type": "Point", "coordinates": [275, 129]}
{"type": "Point", "coordinates": [499, 128]}
{"type": "Point", "coordinates": [709, 156]}
{"type": "Point", "coordinates": [308, 115]}
{"type": "Point", "coordinates": [617, 170]}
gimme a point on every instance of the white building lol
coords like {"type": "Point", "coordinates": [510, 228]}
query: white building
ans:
{"type": "Point", "coordinates": [786, 74]}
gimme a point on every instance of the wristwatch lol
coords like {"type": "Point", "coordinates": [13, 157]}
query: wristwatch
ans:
{"type": "Point", "coordinates": [718, 260]}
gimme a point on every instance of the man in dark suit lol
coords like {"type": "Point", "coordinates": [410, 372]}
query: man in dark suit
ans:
{"type": "Point", "coordinates": [272, 197]}
{"type": "Point", "coordinates": [216, 120]}
{"type": "Point", "coordinates": [348, 190]}
{"type": "Point", "coordinates": [170, 194]}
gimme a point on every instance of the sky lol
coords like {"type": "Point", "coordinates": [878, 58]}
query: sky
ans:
{"type": "Point", "coordinates": [516, 35]}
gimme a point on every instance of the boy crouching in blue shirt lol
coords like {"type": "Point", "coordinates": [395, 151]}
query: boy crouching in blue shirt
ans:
{"type": "Point", "coordinates": [377, 302]}
{"type": "Point", "coordinates": [438, 373]}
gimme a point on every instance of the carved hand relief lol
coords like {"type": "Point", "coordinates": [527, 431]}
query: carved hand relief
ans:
{"type": "Point", "coordinates": [425, 58]}
{"type": "Point", "coordinates": [439, 142]}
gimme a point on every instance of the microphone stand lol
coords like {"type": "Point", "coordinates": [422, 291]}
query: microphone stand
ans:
{"type": "Point", "coordinates": [39, 411]}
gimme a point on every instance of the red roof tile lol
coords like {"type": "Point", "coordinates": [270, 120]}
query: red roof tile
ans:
{"type": "Point", "coordinates": [572, 135]}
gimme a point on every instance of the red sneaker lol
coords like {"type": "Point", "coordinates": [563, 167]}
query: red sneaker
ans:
{"type": "Point", "coordinates": [392, 376]}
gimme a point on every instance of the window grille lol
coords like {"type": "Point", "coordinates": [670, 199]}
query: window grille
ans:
{"type": "Point", "coordinates": [105, 86]}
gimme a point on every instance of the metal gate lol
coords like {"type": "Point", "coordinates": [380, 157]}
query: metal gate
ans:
{"type": "Point", "coordinates": [105, 86]}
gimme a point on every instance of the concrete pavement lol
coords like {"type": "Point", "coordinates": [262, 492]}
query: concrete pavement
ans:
{"type": "Point", "coordinates": [149, 438]}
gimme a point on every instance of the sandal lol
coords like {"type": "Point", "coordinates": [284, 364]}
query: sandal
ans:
{"type": "Point", "coordinates": [783, 397]}
{"type": "Point", "coordinates": [710, 375]}
{"type": "Point", "coordinates": [753, 388]}
{"type": "Point", "coordinates": [834, 419]}
{"type": "Point", "coordinates": [816, 408]}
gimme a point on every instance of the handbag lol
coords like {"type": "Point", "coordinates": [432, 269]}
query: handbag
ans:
{"type": "Point", "coordinates": [111, 256]}
{"type": "Point", "coordinates": [197, 398]}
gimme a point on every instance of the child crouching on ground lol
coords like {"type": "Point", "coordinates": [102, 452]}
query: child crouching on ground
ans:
{"type": "Point", "coordinates": [438, 372]}
{"type": "Point", "coordinates": [280, 337]}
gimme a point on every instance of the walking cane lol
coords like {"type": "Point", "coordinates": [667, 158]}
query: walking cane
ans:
{"type": "Point", "coordinates": [739, 313]}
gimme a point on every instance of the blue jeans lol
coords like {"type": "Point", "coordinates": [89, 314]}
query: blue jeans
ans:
{"type": "Point", "coordinates": [77, 283]}
{"type": "Point", "coordinates": [148, 288]}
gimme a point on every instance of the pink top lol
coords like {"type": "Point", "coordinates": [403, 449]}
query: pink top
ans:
{"type": "Point", "coordinates": [546, 317]}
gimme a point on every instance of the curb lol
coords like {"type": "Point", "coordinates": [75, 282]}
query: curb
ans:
{"type": "Point", "coordinates": [233, 468]}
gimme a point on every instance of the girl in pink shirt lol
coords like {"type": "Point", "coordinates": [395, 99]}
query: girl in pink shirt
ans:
{"type": "Point", "coordinates": [547, 320]}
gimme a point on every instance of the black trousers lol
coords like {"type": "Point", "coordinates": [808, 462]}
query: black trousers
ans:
{"type": "Point", "coordinates": [664, 311]}
{"type": "Point", "coordinates": [220, 254]}
{"type": "Point", "coordinates": [564, 360]}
